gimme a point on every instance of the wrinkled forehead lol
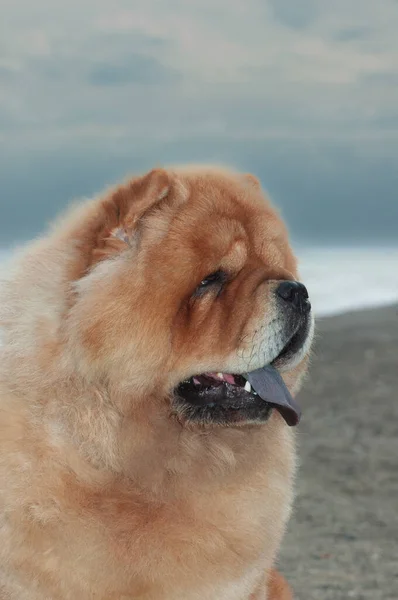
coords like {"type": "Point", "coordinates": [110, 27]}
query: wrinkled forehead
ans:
{"type": "Point", "coordinates": [225, 216]}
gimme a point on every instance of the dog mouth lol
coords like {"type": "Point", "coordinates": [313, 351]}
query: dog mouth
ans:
{"type": "Point", "coordinates": [227, 398]}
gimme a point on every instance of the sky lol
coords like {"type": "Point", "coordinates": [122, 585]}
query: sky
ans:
{"type": "Point", "coordinates": [303, 93]}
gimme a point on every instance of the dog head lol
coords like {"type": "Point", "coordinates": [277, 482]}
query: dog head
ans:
{"type": "Point", "coordinates": [186, 289]}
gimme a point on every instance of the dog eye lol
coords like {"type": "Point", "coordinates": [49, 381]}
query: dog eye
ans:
{"type": "Point", "coordinates": [218, 278]}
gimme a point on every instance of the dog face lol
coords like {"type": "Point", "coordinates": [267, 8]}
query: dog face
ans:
{"type": "Point", "coordinates": [187, 285]}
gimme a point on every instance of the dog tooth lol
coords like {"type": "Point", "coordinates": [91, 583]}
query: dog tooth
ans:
{"type": "Point", "coordinates": [220, 375]}
{"type": "Point", "coordinates": [248, 387]}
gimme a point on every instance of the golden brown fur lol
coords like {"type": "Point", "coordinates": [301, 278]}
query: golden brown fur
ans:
{"type": "Point", "coordinates": [106, 492]}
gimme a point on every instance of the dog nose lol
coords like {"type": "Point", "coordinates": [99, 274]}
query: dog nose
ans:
{"type": "Point", "coordinates": [294, 293]}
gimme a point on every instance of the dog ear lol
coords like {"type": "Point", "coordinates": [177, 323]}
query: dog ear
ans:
{"type": "Point", "coordinates": [124, 208]}
{"type": "Point", "coordinates": [251, 180]}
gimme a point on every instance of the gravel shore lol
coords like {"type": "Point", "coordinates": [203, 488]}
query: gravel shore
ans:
{"type": "Point", "coordinates": [342, 540]}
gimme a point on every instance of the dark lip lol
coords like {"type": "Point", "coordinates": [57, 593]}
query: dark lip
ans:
{"type": "Point", "coordinates": [224, 404]}
{"type": "Point", "coordinates": [215, 393]}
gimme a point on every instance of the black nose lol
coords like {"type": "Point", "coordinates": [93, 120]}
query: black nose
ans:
{"type": "Point", "coordinates": [294, 293]}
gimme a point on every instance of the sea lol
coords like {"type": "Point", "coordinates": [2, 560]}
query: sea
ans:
{"type": "Point", "coordinates": [339, 279]}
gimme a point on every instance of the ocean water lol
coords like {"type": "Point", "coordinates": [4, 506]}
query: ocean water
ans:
{"type": "Point", "coordinates": [345, 279]}
{"type": "Point", "coordinates": [340, 279]}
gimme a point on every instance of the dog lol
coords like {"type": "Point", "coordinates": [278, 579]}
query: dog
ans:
{"type": "Point", "coordinates": [153, 342]}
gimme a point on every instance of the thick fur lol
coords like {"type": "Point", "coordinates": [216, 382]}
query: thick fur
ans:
{"type": "Point", "coordinates": [106, 491]}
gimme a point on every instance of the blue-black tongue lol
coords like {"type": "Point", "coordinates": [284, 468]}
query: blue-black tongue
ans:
{"type": "Point", "coordinates": [269, 385]}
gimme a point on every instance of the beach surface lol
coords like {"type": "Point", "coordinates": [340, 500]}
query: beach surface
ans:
{"type": "Point", "coordinates": [342, 540]}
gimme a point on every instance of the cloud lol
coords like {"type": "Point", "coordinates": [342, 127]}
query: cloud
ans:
{"type": "Point", "coordinates": [134, 68]}
{"type": "Point", "coordinates": [146, 82]}
{"type": "Point", "coordinates": [386, 79]}
{"type": "Point", "coordinates": [6, 74]}
{"type": "Point", "coordinates": [297, 14]}
{"type": "Point", "coordinates": [352, 34]}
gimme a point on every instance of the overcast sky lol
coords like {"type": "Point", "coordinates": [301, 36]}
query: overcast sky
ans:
{"type": "Point", "coordinates": [304, 93]}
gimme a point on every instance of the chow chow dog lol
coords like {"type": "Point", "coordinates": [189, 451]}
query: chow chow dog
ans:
{"type": "Point", "coordinates": [153, 341]}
